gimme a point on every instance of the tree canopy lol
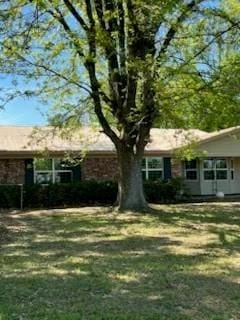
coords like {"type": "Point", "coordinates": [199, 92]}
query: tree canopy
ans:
{"type": "Point", "coordinates": [130, 64]}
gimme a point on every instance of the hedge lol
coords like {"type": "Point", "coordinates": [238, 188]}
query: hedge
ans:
{"type": "Point", "coordinates": [10, 196]}
{"type": "Point", "coordinates": [85, 193]}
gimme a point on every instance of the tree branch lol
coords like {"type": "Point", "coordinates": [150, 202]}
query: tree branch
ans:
{"type": "Point", "coordinates": [218, 35]}
{"type": "Point", "coordinates": [100, 15]}
{"type": "Point", "coordinates": [121, 36]}
{"type": "Point", "coordinates": [76, 14]}
{"type": "Point", "coordinates": [59, 17]}
{"type": "Point", "coordinates": [90, 66]}
{"type": "Point", "coordinates": [50, 70]}
{"type": "Point", "coordinates": [116, 60]}
{"type": "Point", "coordinates": [132, 17]}
{"type": "Point", "coordinates": [173, 29]}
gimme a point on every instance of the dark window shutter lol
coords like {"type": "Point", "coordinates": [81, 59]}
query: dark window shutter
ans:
{"type": "Point", "coordinates": [76, 170]}
{"type": "Point", "coordinates": [167, 168]}
{"type": "Point", "coordinates": [29, 171]}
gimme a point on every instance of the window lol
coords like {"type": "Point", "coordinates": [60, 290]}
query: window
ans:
{"type": "Point", "coordinates": [215, 169]}
{"type": "Point", "coordinates": [51, 171]}
{"type": "Point", "coordinates": [152, 168]}
{"type": "Point", "coordinates": [191, 170]}
{"type": "Point", "coordinates": [208, 169]}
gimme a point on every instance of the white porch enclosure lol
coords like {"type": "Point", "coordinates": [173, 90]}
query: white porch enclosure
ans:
{"type": "Point", "coordinates": [219, 169]}
{"type": "Point", "coordinates": [211, 175]}
{"type": "Point", "coordinates": [220, 175]}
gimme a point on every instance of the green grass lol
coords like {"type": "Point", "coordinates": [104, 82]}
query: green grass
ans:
{"type": "Point", "coordinates": [180, 263]}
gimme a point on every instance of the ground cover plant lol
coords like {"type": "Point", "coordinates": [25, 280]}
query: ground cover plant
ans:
{"type": "Point", "coordinates": [179, 262]}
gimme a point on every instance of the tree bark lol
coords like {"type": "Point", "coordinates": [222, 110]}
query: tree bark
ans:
{"type": "Point", "coordinates": [130, 184]}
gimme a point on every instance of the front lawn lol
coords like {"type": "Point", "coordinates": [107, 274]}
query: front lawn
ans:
{"type": "Point", "coordinates": [180, 263]}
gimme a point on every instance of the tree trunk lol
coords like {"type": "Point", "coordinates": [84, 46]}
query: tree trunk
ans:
{"type": "Point", "coordinates": [130, 185]}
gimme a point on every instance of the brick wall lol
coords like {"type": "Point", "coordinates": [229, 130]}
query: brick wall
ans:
{"type": "Point", "coordinates": [12, 171]}
{"type": "Point", "coordinates": [99, 168]}
{"type": "Point", "coordinates": [176, 168]}
{"type": "Point", "coordinates": [105, 168]}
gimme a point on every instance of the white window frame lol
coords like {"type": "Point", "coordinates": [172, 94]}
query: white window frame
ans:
{"type": "Point", "coordinates": [53, 171]}
{"type": "Point", "coordinates": [215, 169]}
{"type": "Point", "coordinates": [191, 170]}
{"type": "Point", "coordinates": [146, 169]}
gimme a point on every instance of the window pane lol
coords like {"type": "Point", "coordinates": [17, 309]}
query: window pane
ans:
{"type": "Point", "coordinates": [209, 175]}
{"type": "Point", "coordinates": [191, 175]}
{"type": "Point", "coordinates": [43, 164]}
{"type": "Point", "coordinates": [221, 164]}
{"type": "Point", "coordinates": [208, 164]}
{"type": "Point", "coordinates": [44, 177]}
{"type": "Point", "coordinates": [154, 175]}
{"type": "Point", "coordinates": [232, 174]}
{"type": "Point", "coordinates": [155, 163]}
{"type": "Point", "coordinates": [191, 164]}
{"type": "Point", "coordinates": [61, 164]}
{"type": "Point", "coordinates": [63, 177]}
{"type": "Point", "coordinates": [221, 174]}
{"type": "Point", "coordinates": [143, 163]}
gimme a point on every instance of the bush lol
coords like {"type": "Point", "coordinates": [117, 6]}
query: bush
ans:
{"type": "Point", "coordinates": [85, 193]}
{"type": "Point", "coordinates": [75, 194]}
{"type": "Point", "coordinates": [165, 191]}
{"type": "Point", "coordinates": [10, 196]}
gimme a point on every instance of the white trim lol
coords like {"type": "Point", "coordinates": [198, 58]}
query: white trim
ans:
{"type": "Point", "coordinates": [191, 170]}
{"type": "Point", "coordinates": [53, 172]}
{"type": "Point", "coordinates": [147, 169]}
{"type": "Point", "coordinates": [215, 169]}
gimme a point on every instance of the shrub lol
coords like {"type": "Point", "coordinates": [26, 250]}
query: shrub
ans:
{"type": "Point", "coordinates": [165, 191]}
{"type": "Point", "coordinates": [10, 196]}
{"type": "Point", "coordinates": [85, 193]}
{"type": "Point", "coordinates": [74, 194]}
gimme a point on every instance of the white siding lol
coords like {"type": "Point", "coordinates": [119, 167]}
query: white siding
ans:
{"type": "Point", "coordinates": [223, 147]}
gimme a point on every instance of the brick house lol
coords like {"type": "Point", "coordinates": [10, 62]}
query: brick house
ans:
{"type": "Point", "coordinates": [30, 156]}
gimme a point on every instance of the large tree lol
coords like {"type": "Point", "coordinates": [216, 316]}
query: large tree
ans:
{"type": "Point", "coordinates": [118, 58]}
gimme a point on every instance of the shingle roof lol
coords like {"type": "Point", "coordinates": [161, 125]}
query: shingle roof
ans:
{"type": "Point", "coordinates": [22, 139]}
{"type": "Point", "coordinates": [27, 139]}
{"type": "Point", "coordinates": [166, 140]}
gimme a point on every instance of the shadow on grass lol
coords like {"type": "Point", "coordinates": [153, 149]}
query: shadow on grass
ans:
{"type": "Point", "coordinates": [71, 267]}
{"type": "Point", "coordinates": [95, 295]}
{"type": "Point", "coordinates": [203, 214]}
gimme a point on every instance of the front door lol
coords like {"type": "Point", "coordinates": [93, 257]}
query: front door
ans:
{"type": "Point", "coordinates": [215, 176]}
